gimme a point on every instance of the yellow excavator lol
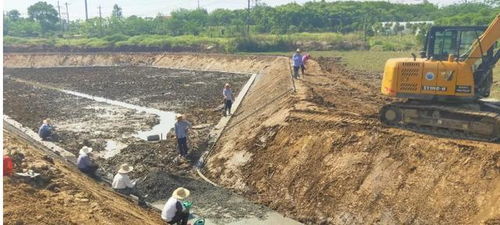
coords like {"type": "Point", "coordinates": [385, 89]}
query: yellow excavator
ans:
{"type": "Point", "coordinates": [446, 88]}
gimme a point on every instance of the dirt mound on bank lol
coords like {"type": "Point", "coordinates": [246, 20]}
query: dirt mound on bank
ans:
{"type": "Point", "coordinates": [61, 194]}
{"type": "Point", "coordinates": [325, 159]}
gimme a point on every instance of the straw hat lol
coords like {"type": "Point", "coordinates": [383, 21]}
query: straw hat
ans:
{"type": "Point", "coordinates": [179, 116]}
{"type": "Point", "coordinates": [85, 150]}
{"type": "Point", "coordinates": [298, 50]}
{"type": "Point", "coordinates": [180, 193]}
{"type": "Point", "coordinates": [125, 168]}
{"type": "Point", "coordinates": [47, 121]}
{"type": "Point", "coordinates": [227, 85]}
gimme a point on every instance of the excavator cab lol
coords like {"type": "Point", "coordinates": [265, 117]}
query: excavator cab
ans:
{"type": "Point", "coordinates": [442, 41]}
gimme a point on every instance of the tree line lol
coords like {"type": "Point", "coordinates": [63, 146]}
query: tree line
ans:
{"type": "Point", "coordinates": [317, 16]}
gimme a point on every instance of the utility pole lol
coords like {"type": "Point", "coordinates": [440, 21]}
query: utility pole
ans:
{"type": "Point", "coordinates": [67, 15]}
{"type": "Point", "coordinates": [86, 12]}
{"type": "Point", "coordinates": [248, 19]}
{"type": "Point", "coordinates": [60, 19]}
{"type": "Point", "coordinates": [198, 4]}
{"type": "Point", "coordinates": [100, 21]}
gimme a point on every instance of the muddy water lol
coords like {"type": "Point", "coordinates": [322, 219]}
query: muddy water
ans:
{"type": "Point", "coordinates": [167, 118]}
{"type": "Point", "coordinates": [111, 149]}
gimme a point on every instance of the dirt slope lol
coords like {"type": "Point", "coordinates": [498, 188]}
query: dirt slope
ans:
{"type": "Point", "coordinates": [62, 195]}
{"type": "Point", "coordinates": [324, 158]}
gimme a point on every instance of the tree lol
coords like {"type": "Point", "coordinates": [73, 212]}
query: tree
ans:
{"type": "Point", "coordinates": [13, 15]}
{"type": "Point", "coordinates": [117, 11]}
{"type": "Point", "coordinates": [45, 14]}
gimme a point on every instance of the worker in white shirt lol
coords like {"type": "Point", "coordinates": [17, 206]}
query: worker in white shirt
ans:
{"type": "Point", "coordinates": [174, 212]}
{"type": "Point", "coordinates": [123, 184]}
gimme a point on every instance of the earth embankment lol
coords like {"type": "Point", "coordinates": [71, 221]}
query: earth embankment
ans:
{"type": "Point", "coordinates": [61, 194]}
{"type": "Point", "coordinates": [324, 158]}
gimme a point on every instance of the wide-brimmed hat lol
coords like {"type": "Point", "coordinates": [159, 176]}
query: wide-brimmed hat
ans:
{"type": "Point", "coordinates": [227, 85]}
{"type": "Point", "coordinates": [85, 150]}
{"type": "Point", "coordinates": [298, 50]}
{"type": "Point", "coordinates": [47, 121]}
{"type": "Point", "coordinates": [179, 116]}
{"type": "Point", "coordinates": [180, 193]}
{"type": "Point", "coordinates": [125, 168]}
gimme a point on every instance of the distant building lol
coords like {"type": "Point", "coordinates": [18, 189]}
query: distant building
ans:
{"type": "Point", "coordinates": [395, 27]}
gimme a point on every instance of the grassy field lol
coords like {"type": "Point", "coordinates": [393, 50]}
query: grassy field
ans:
{"type": "Point", "coordinates": [375, 60]}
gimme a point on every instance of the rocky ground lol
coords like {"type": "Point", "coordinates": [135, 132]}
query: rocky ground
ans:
{"type": "Point", "coordinates": [61, 194]}
{"type": "Point", "coordinates": [82, 121]}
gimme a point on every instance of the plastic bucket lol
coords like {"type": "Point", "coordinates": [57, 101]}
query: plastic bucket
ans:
{"type": "Point", "coordinates": [8, 167]}
{"type": "Point", "coordinates": [187, 204]}
{"type": "Point", "coordinates": [199, 222]}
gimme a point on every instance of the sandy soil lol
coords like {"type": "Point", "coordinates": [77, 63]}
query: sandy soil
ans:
{"type": "Point", "coordinates": [61, 195]}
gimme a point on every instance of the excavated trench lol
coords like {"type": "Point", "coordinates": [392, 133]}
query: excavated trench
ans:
{"type": "Point", "coordinates": [114, 109]}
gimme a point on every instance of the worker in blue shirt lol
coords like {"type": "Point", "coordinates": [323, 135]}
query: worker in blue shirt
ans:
{"type": "Point", "coordinates": [297, 63]}
{"type": "Point", "coordinates": [46, 131]}
{"type": "Point", "coordinates": [84, 162]}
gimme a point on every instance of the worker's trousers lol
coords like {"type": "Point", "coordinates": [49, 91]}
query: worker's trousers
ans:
{"type": "Point", "coordinates": [296, 72]}
{"type": "Point", "coordinates": [182, 146]}
{"type": "Point", "coordinates": [227, 107]}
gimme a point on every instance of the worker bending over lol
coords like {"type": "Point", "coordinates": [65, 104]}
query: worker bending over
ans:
{"type": "Point", "coordinates": [85, 163]}
{"type": "Point", "coordinates": [46, 131]}
{"type": "Point", "coordinates": [123, 184]}
{"type": "Point", "coordinates": [174, 212]}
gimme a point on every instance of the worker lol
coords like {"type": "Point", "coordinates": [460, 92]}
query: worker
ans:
{"type": "Point", "coordinates": [85, 163]}
{"type": "Point", "coordinates": [297, 63]}
{"type": "Point", "coordinates": [182, 127]}
{"type": "Point", "coordinates": [174, 212]}
{"type": "Point", "coordinates": [304, 61]}
{"type": "Point", "coordinates": [46, 131]}
{"type": "Point", "coordinates": [123, 184]}
{"type": "Point", "coordinates": [228, 99]}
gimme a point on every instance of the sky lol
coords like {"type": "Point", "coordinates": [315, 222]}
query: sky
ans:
{"type": "Point", "coordinates": [151, 8]}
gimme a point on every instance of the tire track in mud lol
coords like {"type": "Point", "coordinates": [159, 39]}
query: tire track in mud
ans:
{"type": "Point", "coordinates": [324, 117]}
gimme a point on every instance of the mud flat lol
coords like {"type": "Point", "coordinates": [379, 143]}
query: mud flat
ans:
{"type": "Point", "coordinates": [111, 129]}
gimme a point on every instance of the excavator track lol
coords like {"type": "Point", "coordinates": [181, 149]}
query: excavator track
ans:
{"type": "Point", "coordinates": [474, 121]}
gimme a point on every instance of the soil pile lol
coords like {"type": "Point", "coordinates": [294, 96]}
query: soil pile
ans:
{"type": "Point", "coordinates": [324, 158]}
{"type": "Point", "coordinates": [61, 194]}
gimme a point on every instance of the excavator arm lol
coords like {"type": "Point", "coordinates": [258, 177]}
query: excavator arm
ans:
{"type": "Point", "coordinates": [484, 42]}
